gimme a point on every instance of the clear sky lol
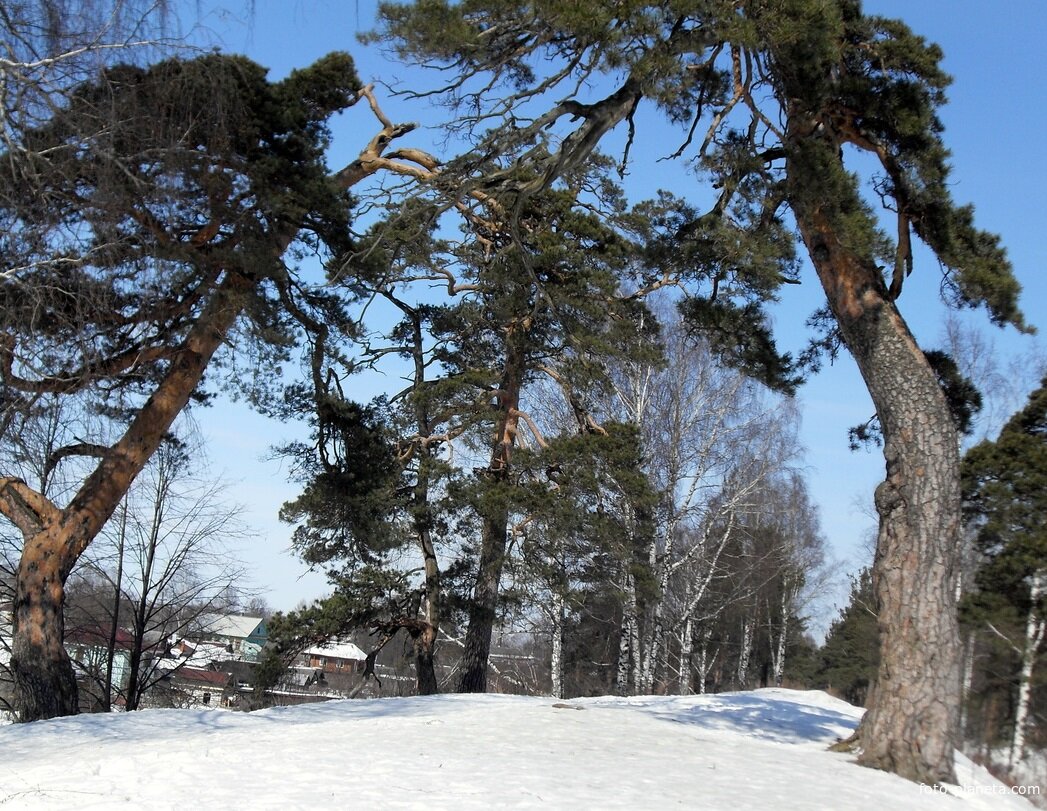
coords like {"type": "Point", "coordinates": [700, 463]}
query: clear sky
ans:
{"type": "Point", "coordinates": [994, 125]}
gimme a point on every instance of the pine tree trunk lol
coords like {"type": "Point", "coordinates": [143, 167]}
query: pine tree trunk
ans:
{"type": "Point", "coordinates": [483, 608]}
{"type": "Point", "coordinates": [425, 638]}
{"type": "Point", "coordinates": [494, 535]}
{"type": "Point", "coordinates": [910, 726]}
{"type": "Point", "coordinates": [44, 680]}
{"type": "Point", "coordinates": [425, 661]}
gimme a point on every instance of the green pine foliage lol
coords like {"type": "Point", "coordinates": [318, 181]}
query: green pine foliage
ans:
{"type": "Point", "coordinates": [154, 181]}
{"type": "Point", "coordinates": [871, 80]}
{"type": "Point", "coordinates": [1005, 497]}
{"type": "Point", "coordinates": [850, 656]}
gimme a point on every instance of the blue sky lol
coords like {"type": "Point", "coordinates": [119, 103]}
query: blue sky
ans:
{"type": "Point", "coordinates": [994, 124]}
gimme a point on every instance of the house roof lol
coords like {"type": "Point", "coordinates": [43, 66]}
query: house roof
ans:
{"type": "Point", "coordinates": [98, 636]}
{"type": "Point", "coordinates": [200, 654]}
{"type": "Point", "coordinates": [231, 625]}
{"type": "Point", "coordinates": [337, 650]}
{"type": "Point", "coordinates": [202, 676]}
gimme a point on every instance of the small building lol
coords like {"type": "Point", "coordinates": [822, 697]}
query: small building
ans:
{"type": "Point", "coordinates": [244, 636]}
{"type": "Point", "coordinates": [193, 687]}
{"type": "Point", "coordinates": [88, 647]}
{"type": "Point", "coordinates": [334, 657]}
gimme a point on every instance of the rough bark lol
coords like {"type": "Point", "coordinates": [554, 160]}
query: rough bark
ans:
{"type": "Point", "coordinates": [45, 683]}
{"type": "Point", "coordinates": [910, 726]}
{"type": "Point", "coordinates": [494, 536]}
{"type": "Point", "coordinates": [425, 641]}
{"type": "Point", "coordinates": [425, 661]}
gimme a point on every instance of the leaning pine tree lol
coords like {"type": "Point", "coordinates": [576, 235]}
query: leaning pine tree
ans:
{"type": "Point", "coordinates": [771, 94]}
{"type": "Point", "coordinates": [165, 201]}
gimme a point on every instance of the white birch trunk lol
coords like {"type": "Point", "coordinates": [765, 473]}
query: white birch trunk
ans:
{"type": "Point", "coordinates": [686, 656]}
{"type": "Point", "coordinates": [556, 665]}
{"type": "Point", "coordinates": [746, 651]}
{"type": "Point", "coordinates": [1034, 630]}
{"type": "Point", "coordinates": [778, 646]}
{"type": "Point", "coordinates": [628, 638]}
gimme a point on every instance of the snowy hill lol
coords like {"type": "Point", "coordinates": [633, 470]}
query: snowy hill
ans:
{"type": "Point", "coordinates": [730, 751]}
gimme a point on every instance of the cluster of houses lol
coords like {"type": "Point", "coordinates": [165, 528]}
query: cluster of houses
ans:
{"type": "Point", "coordinates": [211, 666]}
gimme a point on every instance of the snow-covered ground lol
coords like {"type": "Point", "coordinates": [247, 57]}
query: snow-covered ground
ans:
{"type": "Point", "coordinates": [764, 749]}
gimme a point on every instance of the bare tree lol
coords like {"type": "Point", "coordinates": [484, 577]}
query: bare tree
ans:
{"type": "Point", "coordinates": [713, 438]}
{"type": "Point", "coordinates": [169, 557]}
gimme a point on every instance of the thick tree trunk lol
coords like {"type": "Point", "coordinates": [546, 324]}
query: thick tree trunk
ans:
{"type": "Point", "coordinates": [424, 660]}
{"type": "Point", "coordinates": [911, 722]}
{"type": "Point", "coordinates": [44, 680]}
{"type": "Point", "coordinates": [494, 535]}
{"type": "Point", "coordinates": [484, 606]}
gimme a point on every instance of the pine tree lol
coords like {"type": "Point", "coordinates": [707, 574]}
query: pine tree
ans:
{"type": "Point", "coordinates": [167, 197]}
{"type": "Point", "coordinates": [778, 93]}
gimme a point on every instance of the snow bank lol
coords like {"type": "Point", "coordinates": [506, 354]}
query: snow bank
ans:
{"type": "Point", "coordinates": [731, 751]}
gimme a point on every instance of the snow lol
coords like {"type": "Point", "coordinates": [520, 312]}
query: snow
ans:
{"type": "Point", "coordinates": [730, 751]}
{"type": "Point", "coordinates": [337, 650]}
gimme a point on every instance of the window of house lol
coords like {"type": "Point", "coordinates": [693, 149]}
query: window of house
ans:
{"type": "Point", "coordinates": [207, 698]}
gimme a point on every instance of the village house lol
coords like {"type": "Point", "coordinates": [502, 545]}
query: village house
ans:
{"type": "Point", "coordinates": [334, 657]}
{"type": "Point", "coordinates": [243, 636]}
